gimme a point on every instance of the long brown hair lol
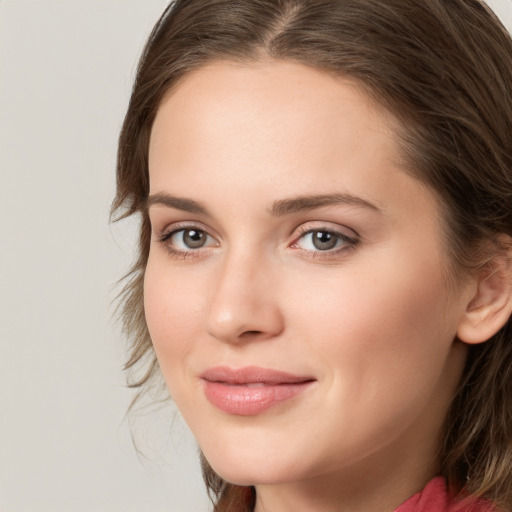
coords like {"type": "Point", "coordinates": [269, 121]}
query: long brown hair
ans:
{"type": "Point", "coordinates": [443, 68]}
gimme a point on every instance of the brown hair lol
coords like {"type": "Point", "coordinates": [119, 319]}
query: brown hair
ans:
{"type": "Point", "coordinates": [443, 68]}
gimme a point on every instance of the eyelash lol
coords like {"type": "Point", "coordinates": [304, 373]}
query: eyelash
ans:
{"type": "Point", "coordinates": [165, 237]}
{"type": "Point", "coordinates": [348, 243]}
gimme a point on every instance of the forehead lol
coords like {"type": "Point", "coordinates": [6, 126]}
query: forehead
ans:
{"type": "Point", "coordinates": [269, 113]}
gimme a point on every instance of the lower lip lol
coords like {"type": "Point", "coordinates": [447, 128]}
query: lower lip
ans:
{"type": "Point", "coordinates": [244, 400]}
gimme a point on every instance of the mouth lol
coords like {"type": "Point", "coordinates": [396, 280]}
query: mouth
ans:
{"type": "Point", "coordinates": [251, 390]}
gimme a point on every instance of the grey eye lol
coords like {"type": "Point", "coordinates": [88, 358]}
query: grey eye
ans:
{"type": "Point", "coordinates": [188, 240]}
{"type": "Point", "coordinates": [193, 238]}
{"type": "Point", "coordinates": [323, 240]}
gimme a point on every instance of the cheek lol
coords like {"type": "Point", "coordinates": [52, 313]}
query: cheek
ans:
{"type": "Point", "coordinates": [382, 340]}
{"type": "Point", "coordinates": [173, 316]}
{"type": "Point", "coordinates": [374, 300]}
{"type": "Point", "coordinates": [380, 327]}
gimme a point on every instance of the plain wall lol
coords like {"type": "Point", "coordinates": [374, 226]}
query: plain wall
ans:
{"type": "Point", "coordinates": [66, 68]}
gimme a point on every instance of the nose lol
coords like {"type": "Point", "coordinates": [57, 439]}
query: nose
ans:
{"type": "Point", "coordinates": [243, 303]}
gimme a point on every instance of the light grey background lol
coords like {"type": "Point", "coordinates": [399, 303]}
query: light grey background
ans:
{"type": "Point", "coordinates": [66, 68]}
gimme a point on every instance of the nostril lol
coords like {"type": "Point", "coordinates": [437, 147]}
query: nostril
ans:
{"type": "Point", "coordinates": [250, 333]}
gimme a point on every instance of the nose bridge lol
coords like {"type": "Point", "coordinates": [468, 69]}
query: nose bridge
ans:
{"type": "Point", "coordinates": [242, 301]}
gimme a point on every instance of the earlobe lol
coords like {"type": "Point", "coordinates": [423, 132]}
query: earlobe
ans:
{"type": "Point", "coordinates": [491, 306]}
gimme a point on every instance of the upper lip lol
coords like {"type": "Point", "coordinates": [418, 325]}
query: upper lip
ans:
{"type": "Point", "coordinates": [252, 375]}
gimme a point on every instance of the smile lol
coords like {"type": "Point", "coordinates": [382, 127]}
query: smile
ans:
{"type": "Point", "coordinates": [251, 390]}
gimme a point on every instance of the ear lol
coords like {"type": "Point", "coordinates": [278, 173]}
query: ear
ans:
{"type": "Point", "coordinates": [491, 305]}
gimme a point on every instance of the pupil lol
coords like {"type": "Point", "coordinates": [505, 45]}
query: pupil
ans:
{"type": "Point", "coordinates": [194, 238]}
{"type": "Point", "coordinates": [323, 240]}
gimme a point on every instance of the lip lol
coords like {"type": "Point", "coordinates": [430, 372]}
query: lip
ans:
{"type": "Point", "coordinates": [251, 390]}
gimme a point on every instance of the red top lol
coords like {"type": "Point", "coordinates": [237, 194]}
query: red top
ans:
{"type": "Point", "coordinates": [434, 498]}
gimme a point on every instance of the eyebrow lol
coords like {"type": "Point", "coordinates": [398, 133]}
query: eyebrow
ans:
{"type": "Point", "coordinates": [178, 203]}
{"type": "Point", "coordinates": [279, 208]}
{"type": "Point", "coordinates": [306, 203]}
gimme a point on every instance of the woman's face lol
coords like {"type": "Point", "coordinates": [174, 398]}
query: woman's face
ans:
{"type": "Point", "coordinates": [296, 289]}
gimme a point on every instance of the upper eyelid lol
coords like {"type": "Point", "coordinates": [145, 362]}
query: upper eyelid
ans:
{"type": "Point", "coordinates": [343, 236]}
{"type": "Point", "coordinates": [331, 227]}
{"type": "Point", "coordinates": [181, 225]}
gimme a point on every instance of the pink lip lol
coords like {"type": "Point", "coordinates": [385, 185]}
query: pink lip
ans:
{"type": "Point", "coordinates": [251, 390]}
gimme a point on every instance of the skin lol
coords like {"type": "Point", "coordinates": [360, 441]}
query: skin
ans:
{"type": "Point", "coordinates": [372, 320]}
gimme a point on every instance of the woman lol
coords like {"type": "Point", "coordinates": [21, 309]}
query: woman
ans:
{"type": "Point", "coordinates": [325, 269]}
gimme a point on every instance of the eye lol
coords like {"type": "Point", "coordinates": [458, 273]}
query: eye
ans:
{"type": "Point", "coordinates": [183, 240]}
{"type": "Point", "coordinates": [324, 240]}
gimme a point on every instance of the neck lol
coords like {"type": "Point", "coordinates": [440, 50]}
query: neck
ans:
{"type": "Point", "coordinates": [367, 488]}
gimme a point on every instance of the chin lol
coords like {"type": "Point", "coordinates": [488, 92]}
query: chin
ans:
{"type": "Point", "coordinates": [256, 465]}
{"type": "Point", "coordinates": [241, 469]}
{"type": "Point", "coordinates": [248, 473]}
